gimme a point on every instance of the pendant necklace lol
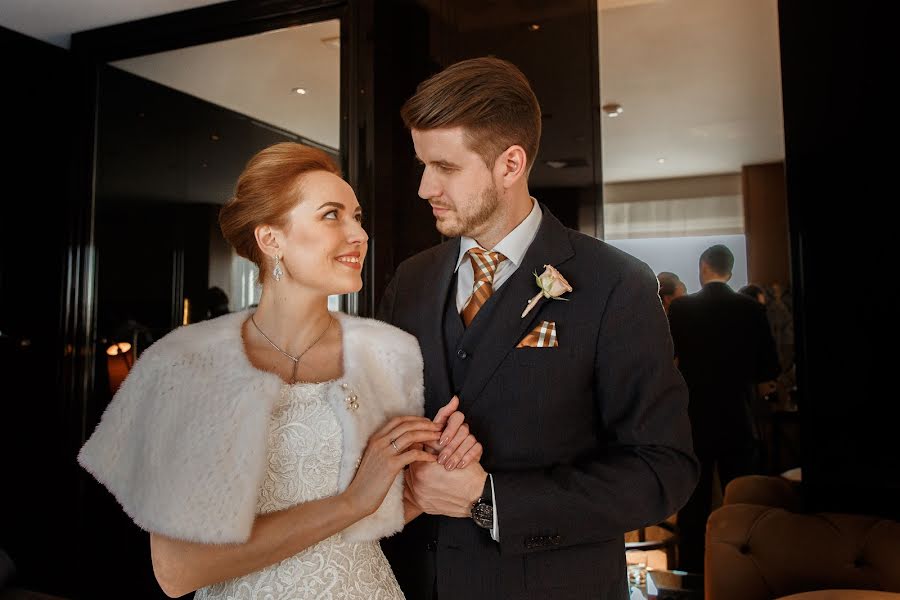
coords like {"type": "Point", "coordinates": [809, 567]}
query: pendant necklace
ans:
{"type": "Point", "coordinates": [294, 359]}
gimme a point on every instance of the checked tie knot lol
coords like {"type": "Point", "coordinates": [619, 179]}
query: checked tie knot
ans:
{"type": "Point", "coordinates": [484, 264]}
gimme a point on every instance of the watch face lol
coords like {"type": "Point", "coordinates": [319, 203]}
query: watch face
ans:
{"type": "Point", "coordinates": [483, 515]}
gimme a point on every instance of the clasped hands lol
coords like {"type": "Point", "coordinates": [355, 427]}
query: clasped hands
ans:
{"type": "Point", "coordinates": [440, 460]}
{"type": "Point", "coordinates": [451, 484]}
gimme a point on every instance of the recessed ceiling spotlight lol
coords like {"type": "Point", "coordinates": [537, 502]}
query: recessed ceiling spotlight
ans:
{"type": "Point", "coordinates": [661, 160]}
{"type": "Point", "coordinates": [534, 27]}
{"type": "Point", "coordinates": [214, 137]}
{"type": "Point", "coordinates": [556, 164]}
{"type": "Point", "coordinates": [299, 90]}
{"type": "Point", "coordinates": [612, 110]}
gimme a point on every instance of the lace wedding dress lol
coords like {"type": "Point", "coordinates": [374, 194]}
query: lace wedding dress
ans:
{"type": "Point", "coordinates": [305, 440]}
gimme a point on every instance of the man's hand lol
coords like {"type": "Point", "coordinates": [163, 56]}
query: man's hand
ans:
{"type": "Point", "coordinates": [438, 491]}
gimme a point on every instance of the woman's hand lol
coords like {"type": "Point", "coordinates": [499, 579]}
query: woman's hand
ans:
{"type": "Point", "coordinates": [182, 567]}
{"type": "Point", "coordinates": [390, 449]}
{"type": "Point", "coordinates": [457, 447]}
{"type": "Point", "coordinates": [411, 509]}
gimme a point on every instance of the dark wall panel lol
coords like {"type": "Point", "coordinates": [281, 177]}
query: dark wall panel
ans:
{"type": "Point", "coordinates": [165, 162]}
{"type": "Point", "coordinates": [835, 60]}
{"type": "Point", "coordinates": [38, 476]}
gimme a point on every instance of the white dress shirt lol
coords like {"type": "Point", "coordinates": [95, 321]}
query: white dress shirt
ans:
{"type": "Point", "coordinates": [513, 247]}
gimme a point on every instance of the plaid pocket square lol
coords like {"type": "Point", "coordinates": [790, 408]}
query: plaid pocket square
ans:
{"type": "Point", "coordinates": [542, 336]}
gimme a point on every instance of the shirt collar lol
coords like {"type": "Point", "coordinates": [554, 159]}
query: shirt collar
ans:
{"type": "Point", "coordinates": [516, 242]}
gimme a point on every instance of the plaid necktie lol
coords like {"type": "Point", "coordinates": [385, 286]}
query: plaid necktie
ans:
{"type": "Point", "coordinates": [484, 264]}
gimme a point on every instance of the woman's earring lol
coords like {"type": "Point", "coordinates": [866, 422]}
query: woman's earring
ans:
{"type": "Point", "coordinates": [277, 272]}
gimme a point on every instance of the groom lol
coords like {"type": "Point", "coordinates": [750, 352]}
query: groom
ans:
{"type": "Point", "coordinates": [578, 405]}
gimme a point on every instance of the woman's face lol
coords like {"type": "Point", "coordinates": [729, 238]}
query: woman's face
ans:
{"type": "Point", "coordinates": [323, 244]}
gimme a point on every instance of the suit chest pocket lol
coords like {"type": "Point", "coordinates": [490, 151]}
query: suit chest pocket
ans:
{"type": "Point", "coordinates": [544, 360]}
{"type": "Point", "coordinates": [525, 384]}
{"type": "Point", "coordinates": [555, 387]}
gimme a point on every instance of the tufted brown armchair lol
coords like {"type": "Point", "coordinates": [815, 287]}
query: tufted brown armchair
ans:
{"type": "Point", "coordinates": [760, 547]}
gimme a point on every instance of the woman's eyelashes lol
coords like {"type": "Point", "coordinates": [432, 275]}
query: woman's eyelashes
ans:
{"type": "Point", "coordinates": [333, 215]}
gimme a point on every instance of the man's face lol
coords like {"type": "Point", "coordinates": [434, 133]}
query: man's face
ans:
{"type": "Point", "coordinates": [456, 182]}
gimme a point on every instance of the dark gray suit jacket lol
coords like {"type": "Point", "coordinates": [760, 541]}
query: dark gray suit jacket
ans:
{"type": "Point", "coordinates": [585, 441]}
{"type": "Point", "coordinates": [724, 348]}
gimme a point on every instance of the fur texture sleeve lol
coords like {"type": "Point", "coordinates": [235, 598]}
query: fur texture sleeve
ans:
{"type": "Point", "coordinates": [396, 380]}
{"type": "Point", "coordinates": [182, 445]}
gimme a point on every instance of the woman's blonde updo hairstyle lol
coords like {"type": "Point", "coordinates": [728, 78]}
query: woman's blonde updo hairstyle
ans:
{"type": "Point", "coordinates": [270, 186]}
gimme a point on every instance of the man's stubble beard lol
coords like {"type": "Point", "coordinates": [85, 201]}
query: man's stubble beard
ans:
{"type": "Point", "coordinates": [470, 225]}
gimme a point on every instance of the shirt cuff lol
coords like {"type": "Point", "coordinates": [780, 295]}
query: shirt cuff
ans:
{"type": "Point", "coordinates": [495, 530]}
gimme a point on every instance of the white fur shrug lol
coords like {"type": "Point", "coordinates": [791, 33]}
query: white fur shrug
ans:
{"type": "Point", "coordinates": [183, 444]}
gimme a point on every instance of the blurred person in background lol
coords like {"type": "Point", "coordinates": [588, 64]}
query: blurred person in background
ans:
{"type": "Point", "coordinates": [724, 349]}
{"type": "Point", "coordinates": [670, 288]}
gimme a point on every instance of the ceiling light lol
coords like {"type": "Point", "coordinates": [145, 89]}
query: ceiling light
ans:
{"type": "Point", "coordinates": [214, 137]}
{"type": "Point", "coordinates": [661, 160]}
{"type": "Point", "coordinates": [534, 27]}
{"type": "Point", "coordinates": [298, 90]}
{"type": "Point", "coordinates": [612, 109]}
{"type": "Point", "coordinates": [555, 164]}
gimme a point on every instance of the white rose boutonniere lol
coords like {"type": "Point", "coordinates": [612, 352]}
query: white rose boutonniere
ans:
{"type": "Point", "coordinates": [552, 284]}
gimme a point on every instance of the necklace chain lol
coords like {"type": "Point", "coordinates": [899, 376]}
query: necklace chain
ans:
{"type": "Point", "coordinates": [294, 359]}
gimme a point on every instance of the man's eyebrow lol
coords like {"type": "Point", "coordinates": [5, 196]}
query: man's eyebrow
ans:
{"type": "Point", "coordinates": [439, 162]}
{"type": "Point", "coordinates": [444, 163]}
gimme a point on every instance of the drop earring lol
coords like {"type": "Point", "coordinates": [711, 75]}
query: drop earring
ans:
{"type": "Point", "coordinates": [277, 271]}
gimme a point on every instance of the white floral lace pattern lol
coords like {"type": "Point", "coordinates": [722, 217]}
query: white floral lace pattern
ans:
{"type": "Point", "coordinates": [305, 441]}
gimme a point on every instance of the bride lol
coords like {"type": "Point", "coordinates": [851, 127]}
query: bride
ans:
{"type": "Point", "coordinates": [263, 450]}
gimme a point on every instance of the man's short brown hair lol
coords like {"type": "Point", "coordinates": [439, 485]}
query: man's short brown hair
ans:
{"type": "Point", "coordinates": [489, 98]}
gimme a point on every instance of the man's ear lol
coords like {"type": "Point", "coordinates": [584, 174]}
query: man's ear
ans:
{"type": "Point", "coordinates": [511, 166]}
{"type": "Point", "coordinates": [268, 240]}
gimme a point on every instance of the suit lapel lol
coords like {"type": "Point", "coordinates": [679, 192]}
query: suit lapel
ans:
{"type": "Point", "coordinates": [432, 338]}
{"type": "Point", "coordinates": [551, 246]}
